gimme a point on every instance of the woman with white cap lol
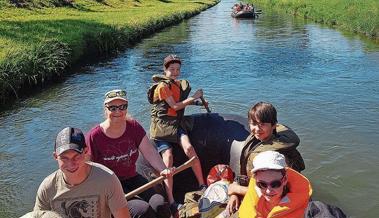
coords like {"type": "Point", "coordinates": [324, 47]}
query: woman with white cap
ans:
{"type": "Point", "coordinates": [275, 190]}
{"type": "Point", "coordinates": [116, 143]}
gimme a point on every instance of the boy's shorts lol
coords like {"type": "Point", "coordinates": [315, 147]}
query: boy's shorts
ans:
{"type": "Point", "coordinates": [164, 145]}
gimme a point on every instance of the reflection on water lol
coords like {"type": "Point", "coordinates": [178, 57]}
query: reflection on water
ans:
{"type": "Point", "coordinates": [324, 85]}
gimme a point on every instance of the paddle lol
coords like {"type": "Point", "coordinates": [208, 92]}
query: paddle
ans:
{"type": "Point", "coordinates": [259, 11]}
{"type": "Point", "coordinates": [159, 179]}
{"type": "Point", "coordinates": [205, 104]}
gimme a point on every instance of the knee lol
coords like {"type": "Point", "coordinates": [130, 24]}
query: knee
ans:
{"type": "Point", "coordinates": [140, 209]}
{"type": "Point", "coordinates": [167, 153]}
{"type": "Point", "coordinates": [167, 156]}
{"type": "Point", "coordinates": [159, 205]}
{"type": "Point", "coordinates": [189, 151]}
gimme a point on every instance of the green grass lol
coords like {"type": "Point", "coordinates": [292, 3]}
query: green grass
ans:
{"type": "Point", "coordinates": [358, 16]}
{"type": "Point", "coordinates": [39, 40]}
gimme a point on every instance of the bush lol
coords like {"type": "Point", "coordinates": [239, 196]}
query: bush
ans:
{"type": "Point", "coordinates": [32, 67]}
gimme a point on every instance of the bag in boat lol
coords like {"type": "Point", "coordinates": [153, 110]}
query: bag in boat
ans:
{"type": "Point", "coordinates": [190, 208]}
{"type": "Point", "coordinates": [220, 172]}
{"type": "Point", "coordinates": [212, 204]}
{"type": "Point", "coordinates": [318, 209]}
{"type": "Point", "coordinates": [151, 90]}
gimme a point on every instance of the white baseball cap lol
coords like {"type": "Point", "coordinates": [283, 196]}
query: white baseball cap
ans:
{"type": "Point", "coordinates": [269, 160]}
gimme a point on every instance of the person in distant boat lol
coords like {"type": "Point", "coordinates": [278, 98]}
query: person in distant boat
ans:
{"type": "Point", "coordinates": [170, 98]}
{"type": "Point", "coordinates": [247, 7]}
{"type": "Point", "coordinates": [275, 190]}
{"type": "Point", "coordinates": [266, 134]}
{"type": "Point", "coordinates": [79, 188]}
{"type": "Point", "coordinates": [241, 6]}
{"type": "Point", "coordinates": [236, 7]}
{"type": "Point", "coordinates": [116, 143]}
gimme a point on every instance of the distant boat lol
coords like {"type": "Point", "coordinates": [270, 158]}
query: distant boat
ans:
{"type": "Point", "coordinates": [244, 14]}
{"type": "Point", "coordinates": [245, 11]}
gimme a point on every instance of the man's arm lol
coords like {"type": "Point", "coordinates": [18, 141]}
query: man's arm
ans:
{"type": "Point", "coordinates": [122, 213]}
{"type": "Point", "coordinates": [116, 198]}
{"type": "Point", "coordinates": [42, 200]}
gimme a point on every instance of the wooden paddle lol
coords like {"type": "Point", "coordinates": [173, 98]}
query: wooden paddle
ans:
{"type": "Point", "coordinates": [205, 104]}
{"type": "Point", "coordinates": [159, 179]}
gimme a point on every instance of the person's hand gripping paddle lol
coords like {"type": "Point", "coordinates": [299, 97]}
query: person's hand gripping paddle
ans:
{"type": "Point", "coordinates": [159, 179]}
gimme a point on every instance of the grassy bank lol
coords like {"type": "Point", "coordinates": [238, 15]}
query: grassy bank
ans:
{"type": "Point", "coordinates": [39, 39]}
{"type": "Point", "coordinates": [352, 15]}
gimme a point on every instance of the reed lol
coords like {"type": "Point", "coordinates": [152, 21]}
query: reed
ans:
{"type": "Point", "coordinates": [352, 15]}
{"type": "Point", "coordinates": [39, 39]}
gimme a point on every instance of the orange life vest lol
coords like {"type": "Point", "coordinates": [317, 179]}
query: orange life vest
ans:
{"type": "Point", "coordinates": [292, 205]}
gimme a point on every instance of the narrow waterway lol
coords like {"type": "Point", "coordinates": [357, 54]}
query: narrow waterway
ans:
{"type": "Point", "coordinates": [325, 85]}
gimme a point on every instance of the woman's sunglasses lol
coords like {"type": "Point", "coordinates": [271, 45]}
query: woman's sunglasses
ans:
{"type": "Point", "coordinates": [113, 94]}
{"type": "Point", "coordinates": [273, 184]}
{"type": "Point", "coordinates": [121, 107]}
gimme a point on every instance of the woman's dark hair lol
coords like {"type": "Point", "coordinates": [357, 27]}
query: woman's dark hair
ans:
{"type": "Point", "coordinates": [264, 112]}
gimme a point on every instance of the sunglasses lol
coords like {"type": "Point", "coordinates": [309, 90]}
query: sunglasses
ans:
{"type": "Point", "coordinates": [273, 184]}
{"type": "Point", "coordinates": [121, 107]}
{"type": "Point", "coordinates": [113, 94]}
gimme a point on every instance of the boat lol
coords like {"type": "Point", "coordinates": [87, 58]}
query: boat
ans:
{"type": "Point", "coordinates": [244, 14]}
{"type": "Point", "coordinates": [217, 139]}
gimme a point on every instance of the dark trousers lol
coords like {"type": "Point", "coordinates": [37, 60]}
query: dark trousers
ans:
{"type": "Point", "coordinates": [148, 204]}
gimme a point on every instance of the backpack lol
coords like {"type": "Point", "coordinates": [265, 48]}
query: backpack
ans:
{"type": "Point", "coordinates": [214, 200]}
{"type": "Point", "coordinates": [220, 172]}
{"type": "Point", "coordinates": [185, 88]}
{"type": "Point", "coordinates": [318, 209]}
{"type": "Point", "coordinates": [190, 208]}
{"type": "Point", "coordinates": [157, 79]}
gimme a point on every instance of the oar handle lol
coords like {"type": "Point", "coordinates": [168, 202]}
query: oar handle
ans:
{"type": "Point", "coordinates": [205, 104]}
{"type": "Point", "coordinates": [159, 179]}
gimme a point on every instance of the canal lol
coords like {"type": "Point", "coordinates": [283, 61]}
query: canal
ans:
{"type": "Point", "coordinates": [324, 84]}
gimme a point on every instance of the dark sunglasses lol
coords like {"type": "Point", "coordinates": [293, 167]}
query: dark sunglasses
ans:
{"type": "Point", "coordinates": [273, 184]}
{"type": "Point", "coordinates": [113, 94]}
{"type": "Point", "coordinates": [121, 107]}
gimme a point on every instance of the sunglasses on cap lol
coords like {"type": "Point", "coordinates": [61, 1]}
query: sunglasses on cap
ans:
{"type": "Point", "coordinates": [273, 184]}
{"type": "Point", "coordinates": [121, 107]}
{"type": "Point", "coordinates": [115, 93]}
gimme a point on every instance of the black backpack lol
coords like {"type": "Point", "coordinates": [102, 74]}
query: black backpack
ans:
{"type": "Point", "coordinates": [151, 90]}
{"type": "Point", "coordinates": [318, 209]}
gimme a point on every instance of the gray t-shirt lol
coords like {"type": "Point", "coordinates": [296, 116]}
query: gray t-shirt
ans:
{"type": "Point", "coordinates": [98, 196]}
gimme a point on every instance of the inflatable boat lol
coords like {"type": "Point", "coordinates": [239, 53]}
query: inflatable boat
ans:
{"type": "Point", "coordinates": [244, 14]}
{"type": "Point", "coordinates": [217, 139]}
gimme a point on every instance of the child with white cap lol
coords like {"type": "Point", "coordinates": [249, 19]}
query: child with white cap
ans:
{"type": "Point", "coordinates": [275, 190]}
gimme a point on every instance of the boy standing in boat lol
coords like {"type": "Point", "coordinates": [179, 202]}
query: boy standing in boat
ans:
{"type": "Point", "coordinates": [169, 100]}
{"type": "Point", "coordinates": [79, 188]}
